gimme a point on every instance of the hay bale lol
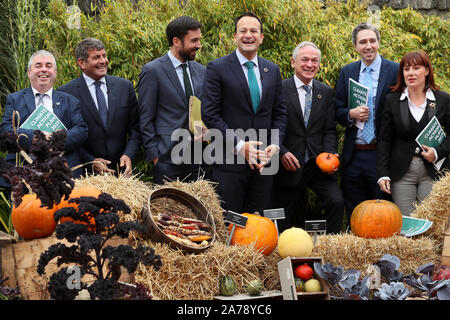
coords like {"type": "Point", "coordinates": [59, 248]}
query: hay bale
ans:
{"type": "Point", "coordinates": [354, 252]}
{"type": "Point", "coordinates": [182, 275]}
{"type": "Point", "coordinates": [196, 276]}
{"type": "Point", "coordinates": [130, 189]}
{"type": "Point", "coordinates": [436, 208]}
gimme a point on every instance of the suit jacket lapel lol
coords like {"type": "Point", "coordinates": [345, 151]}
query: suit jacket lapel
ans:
{"type": "Point", "coordinates": [195, 78]}
{"type": "Point", "coordinates": [112, 100]}
{"type": "Point", "coordinates": [381, 81]}
{"type": "Point", "coordinates": [236, 68]}
{"type": "Point", "coordinates": [30, 102]}
{"type": "Point", "coordinates": [404, 108]}
{"type": "Point", "coordinates": [172, 75]}
{"type": "Point", "coordinates": [431, 108]}
{"type": "Point", "coordinates": [317, 102]}
{"type": "Point", "coordinates": [57, 106]}
{"type": "Point", "coordinates": [292, 94]}
{"type": "Point", "coordinates": [86, 99]}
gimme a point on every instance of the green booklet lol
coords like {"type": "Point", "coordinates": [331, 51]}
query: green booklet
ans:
{"type": "Point", "coordinates": [414, 226]}
{"type": "Point", "coordinates": [358, 95]}
{"type": "Point", "coordinates": [432, 136]}
{"type": "Point", "coordinates": [44, 120]}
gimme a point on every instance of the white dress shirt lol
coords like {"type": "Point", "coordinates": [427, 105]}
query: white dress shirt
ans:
{"type": "Point", "coordinates": [91, 86]}
{"type": "Point", "coordinates": [179, 70]}
{"type": "Point", "coordinates": [46, 100]}
{"type": "Point", "coordinates": [301, 91]}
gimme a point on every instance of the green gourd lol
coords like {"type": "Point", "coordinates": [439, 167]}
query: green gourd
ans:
{"type": "Point", "coordinates": [227, 286]}
{"type": "Point", "coordinates": [255, 287]}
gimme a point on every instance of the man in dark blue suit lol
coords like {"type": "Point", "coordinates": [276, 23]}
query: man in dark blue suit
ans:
{"type": "Point", "coordinates": [42, 74]}
{"type": "Point", "coordinates": [359, 180]}
{"type": "Point", "coordinates": [242, 99]}
{"type": "Point", "coordinates": [165, 86]}
{"type": "Point", "coordinates": [109, 108]}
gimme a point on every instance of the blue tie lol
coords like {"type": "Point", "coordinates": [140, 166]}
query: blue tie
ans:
{"type": "Point", "coordinates": [307, 113]}
{"type": "Point", "coordinates": [368, 133]}
{"type": "Point", "coordinates": [101, 102]}
{"type": "Point", "coordinates": [253, 85]}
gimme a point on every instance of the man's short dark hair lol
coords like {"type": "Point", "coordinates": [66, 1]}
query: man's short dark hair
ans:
{"type": "Point", "coordinates": [179, 27]}
{"type": "Point", "coordinates": [364, 26]}
{"type": "Point", "coordinates": [83, 47]}
{"type": "Point", "coordinates": [248, 14]}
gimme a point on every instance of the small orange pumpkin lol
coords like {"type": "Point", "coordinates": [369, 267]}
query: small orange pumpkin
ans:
{"type": "Point", "coordinates": [86, 191]}
{"type": "Point", "coordinates": [327, 162]}
{"type": "Point", "coordinates": [260, 231]}
{"type": "Point", "coordinates": [30, 220]}
{"type": "Point", "coordinates": [376, 219]}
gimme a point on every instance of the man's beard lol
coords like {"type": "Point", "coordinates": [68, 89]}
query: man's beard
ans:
{"type": "Point", "coordinates": [187, 55]}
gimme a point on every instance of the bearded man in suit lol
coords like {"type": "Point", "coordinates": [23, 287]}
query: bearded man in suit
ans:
{"type": "Point", "coordinates": [165, 87]}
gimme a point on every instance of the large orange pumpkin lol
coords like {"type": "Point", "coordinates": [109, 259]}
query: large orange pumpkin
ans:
{"type": "Point", "coordinates": [327, 162]}
{"type": "Point", "coordinates": [260, 231]}
{"type": "Point", "coordinates": [30, 220]}
{"type": "Point", "coordinates": [86, 191]}
{"type": "Point", "coordinates": [376, 219]}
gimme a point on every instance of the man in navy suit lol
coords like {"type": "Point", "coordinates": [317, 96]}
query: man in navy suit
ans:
{"type": "Point", "coordinates": [359, 179]}
{"type": "Point", "coordinates": [242, 99]}
{"type": "Point", "coordinates": [110, 110]}
{"type": "Point", "coordinates": [42, 72]}
{"type": "Point", "coordinates": [165, 86]}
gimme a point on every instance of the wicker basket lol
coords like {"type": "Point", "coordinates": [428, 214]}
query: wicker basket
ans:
{"type": "Point", "coordinates": [175, 200]}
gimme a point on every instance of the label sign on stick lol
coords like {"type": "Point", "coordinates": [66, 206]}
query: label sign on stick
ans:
{"type": "Point", "coordinates": [274, 214]}
{"type": "Point", "coordinates": [315, 227]}
{"type": "Point", "coordinates": [235, 219]}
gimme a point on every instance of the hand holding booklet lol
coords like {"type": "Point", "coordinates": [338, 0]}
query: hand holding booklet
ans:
{"type": "Point", "coordinates": [44, 120]}
{"type": "Point", "coordinates": [358, 95]}
{"type": "Point", "coordinates": [196, 125]}
{"type": "Point", "coordinates": [432, 136]}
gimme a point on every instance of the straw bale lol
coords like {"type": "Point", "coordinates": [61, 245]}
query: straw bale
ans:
{"type": "Point", "coordinates": [358, 253]}
{"type": "Point", "coordinates": [436, 208]}
{"type": "Point", "coordinates": [184, 275]}
{"type": "Point", "coordinates": [196, 276]}
{"type": "Point", "coordinates": [131, 190]}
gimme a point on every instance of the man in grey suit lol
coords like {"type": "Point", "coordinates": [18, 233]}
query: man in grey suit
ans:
{"type": "Point", "coordinates": [165, 86]}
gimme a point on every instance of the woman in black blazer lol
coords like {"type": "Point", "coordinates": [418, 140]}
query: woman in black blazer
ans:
{"type": "Point", "coordinates": [405, 169]}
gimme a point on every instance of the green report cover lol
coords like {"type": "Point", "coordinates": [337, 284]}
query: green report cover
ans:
{"type": "Point", "coordinates": [358, 94]}
{"type": "Point", "coordinates": [432, 136]}
{"type": "Point", "coordinates": [44, 120]}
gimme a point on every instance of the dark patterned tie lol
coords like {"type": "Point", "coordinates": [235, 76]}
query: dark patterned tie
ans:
{"type": "Point", "coordinates": [102, 108]}
{"type": "Point", "coordinates": [187, 82]}
{"type": "Point", "coordinates": [40, 99]}
{"type": "Point", "coordinates": [308, 102]}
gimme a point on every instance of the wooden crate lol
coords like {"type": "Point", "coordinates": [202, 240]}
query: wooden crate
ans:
{"type": "Point", "coordinates": [19, 263]}
{"type": "Point", "coordinates": [445, 259]}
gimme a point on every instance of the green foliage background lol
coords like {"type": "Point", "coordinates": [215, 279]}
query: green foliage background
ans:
{"type": "Point", "coordinates": [134, 34]}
